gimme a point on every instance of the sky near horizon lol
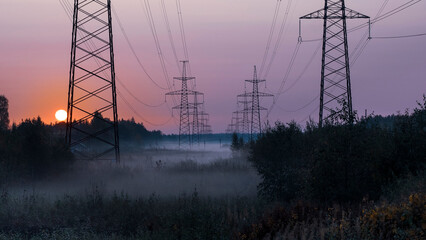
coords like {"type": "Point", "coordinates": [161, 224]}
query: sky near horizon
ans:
{"type": "Point", "coordinates": [225, 39]}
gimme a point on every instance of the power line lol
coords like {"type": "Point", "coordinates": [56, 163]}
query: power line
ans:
{"type": "Point", "coordinates": [123, 31]}
{"type": "Point", "coordinates": [306, 118]}
{"type": "Point", "coordinates": [139, 115]}
{"type": "Point", "coordinates": [151, 22]}
{"type": "Point", "coordinates": [183, 38]}
{"type": "Point", "coordinates": [401, 36]}
{"type": "Point", "coordinates": [140, 101]}
{"type": "Point", "coordinates": [172, 44]}
{"type": "Point", "coordinates": [148, 13]}
{"type": "Point", "coordinates": [182, 30]}
{"type": "Point", "coordinates": [362, 44]}
{"type": "Point", "coordinates": [305, 69]}
{"type": "Point", "coordinates": [278, 42]}
{"type": "Point", "coordinates": [300, 108]}
{"type": "Point", "coordinates": [287, 74]}
{"type": "Point", "coordinates": [271, 34]}
{"type": "Point", "coordinates": [386, 15]}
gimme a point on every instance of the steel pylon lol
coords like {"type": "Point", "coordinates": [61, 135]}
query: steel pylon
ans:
{"type": "Point", "coordinates": [195, 113]}
{"type": "Point", "coordinates": [92, 123]}
{"type": "Point", "coordinates": [255, 109]}
{"type": "Point", "coordinates": [245, 122]}
{"type": "Point", "coordinates": [186, 108]}
{"type": "Point", "coordinates": [205, 128]}
{"type": "Point", "coordinates": [336, 94]}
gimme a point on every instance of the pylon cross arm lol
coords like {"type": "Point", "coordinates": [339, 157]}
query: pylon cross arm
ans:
{"type": "Point", "coordinates": [314, 15]}
{"type": "Point", "coordinates": [320, 14]}
{"type": "Point", "coordinates": [351, 14]}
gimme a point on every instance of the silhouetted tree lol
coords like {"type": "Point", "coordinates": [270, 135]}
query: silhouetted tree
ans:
{"type": "Point", "coordinates": [4, 113]}
{"type": "Point", "coordinates": [278, 155]}
{"type": "Point", "coordinates": [235, 144]}
{"type": "Point", "coordinates": [339, 162]}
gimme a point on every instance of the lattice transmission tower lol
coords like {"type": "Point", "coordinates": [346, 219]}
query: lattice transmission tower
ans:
{"type": "Point", "coordinates": [186, 108]}
{"type": "Point", "coordinates": [92, 123]}
{"type": "Point", "coordinates": [204, 122]}
{"type": "Point", "coordinates": [196, 120]}
{"type": "Point", "coordinates": [336, 94]}
{"type": "Point", "coordinates": [245, 111]}
{"type": "Point", "coordinates": [255, 109]}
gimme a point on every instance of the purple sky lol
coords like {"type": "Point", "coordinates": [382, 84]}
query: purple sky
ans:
{"type": "Point", "coordinates": [225, 39]}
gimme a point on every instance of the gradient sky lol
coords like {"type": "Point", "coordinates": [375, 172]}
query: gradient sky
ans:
{"type": "Point", "coordinates": [225, 39]}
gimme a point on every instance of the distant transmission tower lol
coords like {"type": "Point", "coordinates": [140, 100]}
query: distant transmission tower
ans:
{"type": "Point", "coordinates": [92, 89]}
{"type": "Point", "coordinates": [186, 109]}
{"type": "Point", "coordinates": [196, 121]}
{"type": "Point", "coordinates": [255, 104]}
{"type": "Point", "coordinates": [236, 120]}
{"type": "Point", "coordinates": [205, 127]}
{"type": "Point", "coordinates": [335, 72]}
{"type": "Point", "coordinates": [245, 122]}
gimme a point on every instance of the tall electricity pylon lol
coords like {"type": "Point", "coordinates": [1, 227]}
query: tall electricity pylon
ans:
{"type": "Point", "coordinates": [255, 109]}
{"type": "Point", "coordinates": [185, 107]}
{"type": "Point", "coordinates": [336, 95]}
{"type": "Point", "coordinates": [92, 89]}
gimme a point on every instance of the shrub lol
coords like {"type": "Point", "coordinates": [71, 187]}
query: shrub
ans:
{"type": "Point", "coordinates": [341, 162]}
{"type": "Point", "coordinates": [402, 221]}
{"type": "Point", "coordinates": [278, 156]}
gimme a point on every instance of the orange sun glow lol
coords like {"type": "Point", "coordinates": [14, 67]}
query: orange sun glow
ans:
{"type": "Point", "coordinates": [61, 115]}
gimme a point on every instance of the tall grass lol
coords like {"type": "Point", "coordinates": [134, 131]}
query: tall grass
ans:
{"type": "Point", "coordinates": [118, 216]}
{"type": "Point", "coordinates": [95, 215]}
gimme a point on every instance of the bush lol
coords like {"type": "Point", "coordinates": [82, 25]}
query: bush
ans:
{"type": "Point", "coordinates": [278, 156]}
{"type": "Point", "coordinates": [403, 221]}
{"type": "Point", "coordinates": [340, 162]}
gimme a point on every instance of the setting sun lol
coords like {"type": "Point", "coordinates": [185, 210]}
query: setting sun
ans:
{"type": "Point", "coordinates": [61, 115]}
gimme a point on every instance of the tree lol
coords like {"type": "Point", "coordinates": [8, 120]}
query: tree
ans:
{"type": "Point", "coordinates": [4, 113]}
{"type": "Point", "coordinates": [235, 145]}
{"type": "Point", "coordinates": [279, 155]}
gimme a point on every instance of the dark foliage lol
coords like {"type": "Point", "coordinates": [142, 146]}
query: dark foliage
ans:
{"type": "Point", "coordinates": [4, 113]}
{"type": "Point", "coordinates": [136, 133]}
{"type": "Point", "coordinates": [132, 135]}
{"type": "Point", "coordinates": [237, 143]}
{"type": "Point", "coordinates": [339, 162]}
{"type": "Point", "coordinates": [277, 157]}
{"type": "Point", "coordinates": [32, 150]}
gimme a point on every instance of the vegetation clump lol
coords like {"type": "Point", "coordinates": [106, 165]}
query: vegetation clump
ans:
{"type": "Point", "coordinates": [339, 162]}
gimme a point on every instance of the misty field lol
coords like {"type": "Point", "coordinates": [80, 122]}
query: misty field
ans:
{"type": "Point", "coordinates": [186, 195]}
{"type": "Point", "coordinates": [160, 194]}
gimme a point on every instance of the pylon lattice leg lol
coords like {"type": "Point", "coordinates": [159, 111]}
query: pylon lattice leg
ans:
{"type": "Point", "coordinates": [92, 124]}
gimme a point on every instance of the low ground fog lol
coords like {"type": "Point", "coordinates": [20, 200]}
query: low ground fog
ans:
{"type": "Point", "coordinates": [211, 170]}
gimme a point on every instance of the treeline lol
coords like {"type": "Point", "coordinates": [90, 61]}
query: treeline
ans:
{"type": "Point", "coordinates": [131, 133]}
{"type": "Point", "coordinates": [340, 162]}
{"type": "Point", "coordinates": [33, 150]}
